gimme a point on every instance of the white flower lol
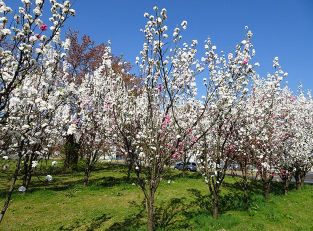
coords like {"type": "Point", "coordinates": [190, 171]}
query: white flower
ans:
{"type": "Point", "coordinates": [245, 90]}
{"type": "Point", "coordinates": [195, 41]}
{"type": "Point", "coordinates": [155, 8]}
{"type": "Point", "coordinates": [34, 163]}
{"type": "Point", "coordinates": [39, 2]}
{"type": "Point", "coordinates": [37, 11]}
{"type": "Point", "coordinates": [6, 166]}
{"type": "Point", "coordinates": [22, 189]}
{"type": "Point", "coordinates": [183, 23]}
{"type": "Point", "coordinates": [48, 177]}
{"type": "Point", "coordinates": [5, 32]}
{"type": "Point", "coordinates": [54, 163]}
{"type": "Point", "coordinates": [71, 129]}
{"type": "Point", "coordinates": [5, 157]}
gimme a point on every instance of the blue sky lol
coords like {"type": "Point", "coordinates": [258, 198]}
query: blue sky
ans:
{"type": "Point", "coordinates": [280, 28]}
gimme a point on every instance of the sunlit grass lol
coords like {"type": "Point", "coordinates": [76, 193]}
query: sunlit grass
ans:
{"type": "Point", "coordinates": [108, 203]}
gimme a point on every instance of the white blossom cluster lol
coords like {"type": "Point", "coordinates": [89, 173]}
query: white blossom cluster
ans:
{"type": "Point", "coordinates": [157, 121]}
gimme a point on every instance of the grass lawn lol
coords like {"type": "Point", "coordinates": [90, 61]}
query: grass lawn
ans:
{"type": "Point", "coordinates": [108, 203]}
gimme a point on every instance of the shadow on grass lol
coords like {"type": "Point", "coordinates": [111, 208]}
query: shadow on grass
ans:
{"type": "Point", "coordinates": [94, 224]}
{"type": "Point", "coordinates": [165, 216]}
{"type": "Point", "coordinates": [72, 183]}
{"type": "Point", "coordinates": [133, 221]}
{"type": "Point", "coordinates": [227, 202]}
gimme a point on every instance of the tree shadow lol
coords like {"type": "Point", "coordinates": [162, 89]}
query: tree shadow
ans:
{"type": "Point", "coordinates": [133, 221]}
{"type": "Point", "coordinates": [95, 223]}
{"type": "Point", "coordinates": [58, 184]}
{"type": "Point", "coordinates": [202, 201]}
{"type": "Point", "coordinates": [227, 202]}
{"type": "Point", "coordinates": [166, 214]}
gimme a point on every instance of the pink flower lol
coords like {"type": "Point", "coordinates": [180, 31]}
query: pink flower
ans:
{"type": "Point", "coordinates": [167, 118]}
{"type": "Point", "coordinates": [38, 36]}
{"type": "Point", "coordinates": [76, 121]}
{"type": "Point", "coordinates": [245, 61]}
{"type": "Point", "coordinates": [160, 88]}
{"type": "Point", "coordinates": [193, 138]}
{"type": "Point", "coordinates": [43, 27]}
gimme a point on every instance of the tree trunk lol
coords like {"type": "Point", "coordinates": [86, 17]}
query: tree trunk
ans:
{"type": "Point", "coordinates": [6, 203]}
{"type": "Point", "coordinates": [266, 189]}
{"type": "Point", "coordinates": [302, 177]}
{"type": "Point", "coordinates": [245, 190]}
{"type": "Point", "coordinates": [28, 171]}
{"type": "Point", "coordinates": [71, 153]}
{"type": "Point", "coordinates": [130, 166]}
{"type": "Point", "coordinates": [150, 211]}
{"type": "Point", "coordinates": [297, 178]}
{"type": "Point", "coordinates": [25, 170]}
{"type": "Point", "coordinates": [286, 181]}
{"type": "Point", "coordinates": [87, 174]}
{"type": "Point", "coordinates": [215, 207]}
{"type": "Point", "coordinates": [87, 170]}
{"type": "Point", "coordinates": [286, 187]}
{"type": "Point", "coordinates": [245, 180]}
{"type": "Point", "coordinates": [298, 185]}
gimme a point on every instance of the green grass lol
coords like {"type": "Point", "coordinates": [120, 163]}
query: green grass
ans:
{"type": "Point", "coordinates": [108, 203]}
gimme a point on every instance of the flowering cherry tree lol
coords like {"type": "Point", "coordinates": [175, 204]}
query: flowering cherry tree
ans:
{"type": "Point", "coordinates": [84, 60]}
{"type": "Point", "coordinates": [151, 127]}
{"type": "Point", "coordinates": [27, 73]}
{"type": "Point", "coordinates": [221, 125]}
{"type": "Point", "coordinates": [267, 144]}
{"type": "Point", "coordinates": [255, 129]}
{"type": "Point", "coordinates": [297, 159]}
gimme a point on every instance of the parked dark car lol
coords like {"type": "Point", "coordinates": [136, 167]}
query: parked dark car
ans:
{"type": "Point", "coordinates": [191, 166]}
